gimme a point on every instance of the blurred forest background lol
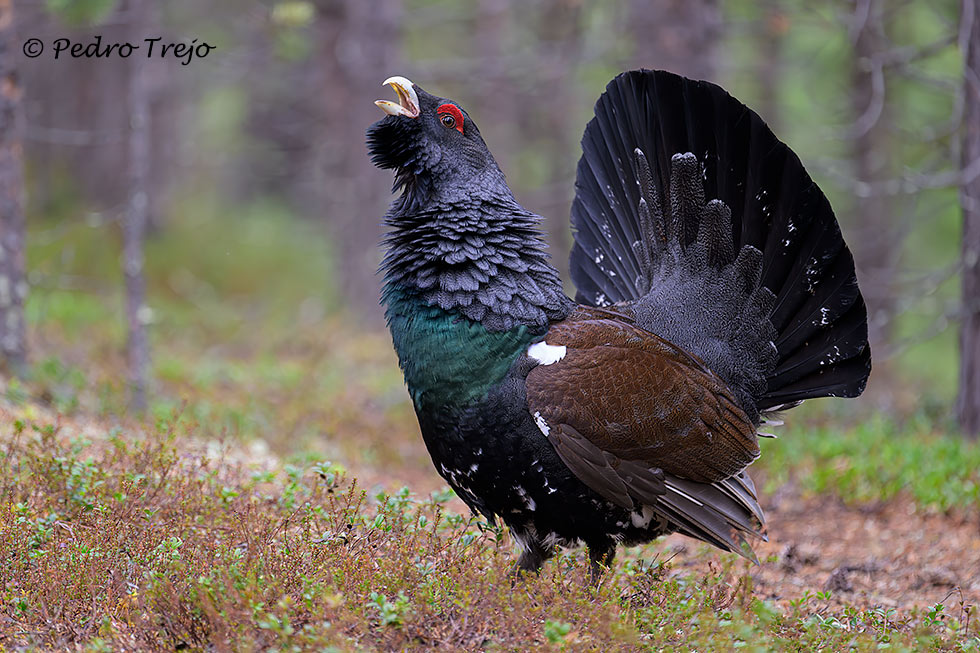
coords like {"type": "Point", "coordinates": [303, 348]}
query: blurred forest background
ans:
{"type": "Point", "coordinates": [245, 174]}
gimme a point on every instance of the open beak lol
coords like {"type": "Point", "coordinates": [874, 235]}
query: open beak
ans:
{"type": "Point", "coordinates": [408, 99]}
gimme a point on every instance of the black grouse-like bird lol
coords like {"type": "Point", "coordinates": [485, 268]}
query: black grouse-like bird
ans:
{"type": "Point", "coordinates": [714, 288]}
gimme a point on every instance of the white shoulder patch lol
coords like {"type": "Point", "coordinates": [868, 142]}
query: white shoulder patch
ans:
{"type": "Point", "coordinates": [546, 354]}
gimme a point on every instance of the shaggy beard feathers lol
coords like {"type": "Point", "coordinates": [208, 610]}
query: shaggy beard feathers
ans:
{"type": "Point", "coordinates": [489, 265]}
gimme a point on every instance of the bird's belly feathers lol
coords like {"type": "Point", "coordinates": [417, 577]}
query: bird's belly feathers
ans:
{"type": "Point", "coordinates": [498, 461]}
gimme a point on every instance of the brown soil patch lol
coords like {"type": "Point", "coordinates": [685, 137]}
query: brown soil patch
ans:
{"type": "Point", "coordinates": [890, 556]}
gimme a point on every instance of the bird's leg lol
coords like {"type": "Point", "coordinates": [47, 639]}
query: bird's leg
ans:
{"type": "Point", "coordinates": [600, 558]}
{"type": "Point", "coordinates": [533, 557]}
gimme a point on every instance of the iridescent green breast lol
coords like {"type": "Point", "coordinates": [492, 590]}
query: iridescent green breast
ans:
{"type": "Point", "coordinates": [448, 358]}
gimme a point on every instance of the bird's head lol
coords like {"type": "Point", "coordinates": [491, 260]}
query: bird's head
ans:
{"type": "Point", "coordinates": [430, 140]}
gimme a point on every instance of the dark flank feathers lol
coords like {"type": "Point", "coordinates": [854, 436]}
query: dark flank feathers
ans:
{"type": "Point", "coordinates": [713, 287]}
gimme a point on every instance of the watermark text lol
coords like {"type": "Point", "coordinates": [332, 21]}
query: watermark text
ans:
{"type": "Point", "coordinates": [151, 47]}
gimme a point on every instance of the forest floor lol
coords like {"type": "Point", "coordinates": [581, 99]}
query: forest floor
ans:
{"type": "Point", "coordinates": [277, 496]}
{"type": "Point", "coordinates": [144, 536]}
{"type": "Point", "coordinates": [888, 555]}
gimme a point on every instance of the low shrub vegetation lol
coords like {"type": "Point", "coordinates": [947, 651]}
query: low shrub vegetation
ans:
{"type": "Point", "coordinates": [147, 539]}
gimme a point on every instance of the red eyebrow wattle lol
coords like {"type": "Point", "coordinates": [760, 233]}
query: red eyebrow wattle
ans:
{"type": "Point", "coordinates": [454, 111]}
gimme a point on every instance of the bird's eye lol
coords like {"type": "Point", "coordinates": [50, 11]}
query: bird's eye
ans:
{"type": "Point", "coordinates": [450, 116]}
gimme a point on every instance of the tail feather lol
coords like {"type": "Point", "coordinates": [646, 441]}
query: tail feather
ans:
{"type": "Point", "coordinates": [723, 514]}
{"type": "Point", "coordinates": [756, 280]}
{"type": "Point", "coordinates": [840, 343]}
{"type": "Point", "coordinates": [716, 226]}
{"type": "Point", "coordinates": [686, 199]}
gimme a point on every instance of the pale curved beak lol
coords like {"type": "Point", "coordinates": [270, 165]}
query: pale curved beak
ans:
{"type": "Point", "coordinates": [408, 99]}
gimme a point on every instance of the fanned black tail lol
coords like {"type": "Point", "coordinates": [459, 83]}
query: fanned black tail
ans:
{"type": "Point", "coordinates": [756, 280]}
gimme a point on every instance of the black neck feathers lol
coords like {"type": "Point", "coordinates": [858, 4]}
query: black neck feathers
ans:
{"type": "Point", "coordinates": [483, 259]}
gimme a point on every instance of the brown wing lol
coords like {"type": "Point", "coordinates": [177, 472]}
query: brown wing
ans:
{"type": "Point", "coordinates": [623, 407]}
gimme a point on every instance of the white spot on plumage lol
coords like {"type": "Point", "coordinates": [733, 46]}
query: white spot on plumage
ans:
{"type": "Point", "coordinates": [543, 425]}
{"type": "Point", "coordinates": [552, 540]}
{"type": "Point", "coordinates": [547, 486]}
{"type": "Point", "coordinates": [528, 501]}
{"type": "Point", "coordinates": [522, 539]}
{"type": "Point", "coordinates": [832, 356]}
{"type": "Point", "coordinates": [546, 354]}
{"type": "Point", "coordinates": [811, 274]}
{"type": "Point", "coordinates": [642, 518]}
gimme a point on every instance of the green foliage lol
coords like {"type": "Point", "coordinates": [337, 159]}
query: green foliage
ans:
{"type": "Point", "coordinates": [81, 12]}
{"type": "Point", "coordinates": [213, 267]}
{"type": "Point", "coordinates": [877, 460]}
{"type": "Point", "coordinates": [244, 324]}
{"type": "Point", "coordinates": [73, 311]}
{"type": "Point", "coordinates": [293, 13]}
{"type": "Point", "coordinates": [556, 631]}
{"type": "Point", "coordinates": [293, 42]}
{"type": "Point", "coordinates": [390, 613]}
{"type": "Point", "coordinates": [59, 383]}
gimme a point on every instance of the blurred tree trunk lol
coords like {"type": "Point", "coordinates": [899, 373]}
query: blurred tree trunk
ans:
{"type": "Point", "coordinates": [877, 245]}
{"type": "Point", "coordinates": [561, 32]}
{"type": "Point", "coordinates": [497, 111]}
{"type": "Point", "coordinates": [84, 140]}
{"type": "Point", "coordinates": [13, 287]}
{"type": "Point", "coordinates": [681, 36]}
{"type": "Point", "coordinates": [358, 42]}
{"type": "Point", "coordinates": [137, 211]}
{"type": "Point", "coordinates": [775, 23]}
{"type": "Point", "coordinates": [968, 401]}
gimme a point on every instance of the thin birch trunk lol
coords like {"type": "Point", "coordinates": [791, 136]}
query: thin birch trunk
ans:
{"type": "Point", "coordinates": [13, 286]}
{"type": "Point", "coordinates": [968, 401]}
{"type": "Point", "coordinates": [134, 231]}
